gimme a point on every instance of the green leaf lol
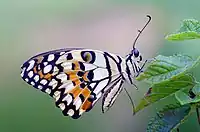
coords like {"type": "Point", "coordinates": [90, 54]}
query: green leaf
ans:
{"type": "Point", "coordinates": [183, 36]}
{"type": "Point", "coordinates": [190, 29]}
{"type": "Point", "coordinates": [164, 68]}
{"type": "Point", "coordinates": [169, 118]}
{"type": "Point", "coordinates": [190, 25]}
{"type": "Point", "coordinates": [184, 96]}
{"type": "Point", "coordinates": [196, 89]}
{"type": "Point", "coordinates": [165, 89]}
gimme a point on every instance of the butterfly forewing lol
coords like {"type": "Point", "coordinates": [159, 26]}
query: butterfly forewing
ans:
{"type": "Point", "coordinates": [76, 78]}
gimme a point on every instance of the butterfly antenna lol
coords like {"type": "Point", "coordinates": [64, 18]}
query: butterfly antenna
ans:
{"type": "Point", "coordinates": [132, 103]}
{"type": "Point", "coordinates": [140, 31]}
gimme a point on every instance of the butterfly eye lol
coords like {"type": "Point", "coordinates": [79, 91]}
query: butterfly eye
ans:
{"type": "Point", "coordinates": [88, 56]}
{"type": "Point", "coordinates": [136, 52]}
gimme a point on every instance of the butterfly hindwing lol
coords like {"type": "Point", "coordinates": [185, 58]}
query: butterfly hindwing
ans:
{"type": "Point", "coordinates": [76, 78]}
{"type": "Point", "coordinates": [111, 94]}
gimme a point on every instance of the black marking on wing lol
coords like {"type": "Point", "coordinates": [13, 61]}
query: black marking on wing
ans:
{"type": "Point", "coordinates": [55, 51]}
{"type": "Point", "coordinates": [128, 72]}
{"type": "Point", "coordinates": [111, 87]}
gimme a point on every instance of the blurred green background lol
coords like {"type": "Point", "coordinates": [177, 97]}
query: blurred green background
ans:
{"type": "Point", "coordinates": [28, 27]}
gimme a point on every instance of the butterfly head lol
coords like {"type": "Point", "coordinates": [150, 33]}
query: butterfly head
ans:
{"type": "Point", "coordinates": [136, 56]}
{"type": "Point", "coordinates": [133, 63]}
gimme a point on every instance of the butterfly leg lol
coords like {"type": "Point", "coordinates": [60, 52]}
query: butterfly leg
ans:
{"type": "Point", "coordinates": [132, 103]}
{"type": "Point", "coordinates": [141, 69]}
{"type": "Point", "coordinates": [198, 116]}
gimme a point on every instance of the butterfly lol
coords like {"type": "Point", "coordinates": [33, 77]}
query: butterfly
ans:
{"type": "Point", "coordinates": [77, 78]}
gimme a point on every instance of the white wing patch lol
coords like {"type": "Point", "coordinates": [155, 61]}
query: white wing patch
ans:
{"type": "Point", "coordinates": [67, 65]}
{"type": "Point", "coordinates": [32, 62]}
{"type": "Point", "coordinates": [100, 86]}
{"type": "Point", "coordinates": [111, 95]}
{"type": "Point", "coordinates": [89, 67]}
{"type": "Point", "coordinates": [100, 73]}
{"type": "Point", "coordinates": [100, 61]}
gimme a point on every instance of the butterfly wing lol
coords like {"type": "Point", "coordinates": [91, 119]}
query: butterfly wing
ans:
{"type": "Point", "coordinates": [111, 94]}
{"type": "Point", "coordinates": [76, 78]}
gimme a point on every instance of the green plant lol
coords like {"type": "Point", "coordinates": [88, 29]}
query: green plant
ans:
{"type": "Point", "coordinates": [171, 77]}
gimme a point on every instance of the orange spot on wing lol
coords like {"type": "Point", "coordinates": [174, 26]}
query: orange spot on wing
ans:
{"type": "Point", "coordinates": [76, 91]}
{"type": "Point", "coordinates": [73, 76]}
{"type": "Point", "coordinates": [77, 82]}
{"type": "Point", "coordinates": [86, 92]}
{"type": "Point", "coordinates": [48, 76]}
{"type": "Point", "coordinates": [86, 105]}
{"type": "Point", "coordinates": [41, 74]}
{"type": "Point", "coordinates": [85, 76]}
{"type": "Point", "coordinates": [34, 70]}
{"type": "Point", "coordinates": [77, 66]}
{"type": "Point", "coordinates": [70, 72]}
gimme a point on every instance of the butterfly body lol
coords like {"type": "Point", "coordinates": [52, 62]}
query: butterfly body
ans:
{"type": "Point", "coordinates": [77, 78]}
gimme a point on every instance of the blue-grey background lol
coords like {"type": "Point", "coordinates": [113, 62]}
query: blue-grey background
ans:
{"type": "Point", "coordinates": [28, 27]}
